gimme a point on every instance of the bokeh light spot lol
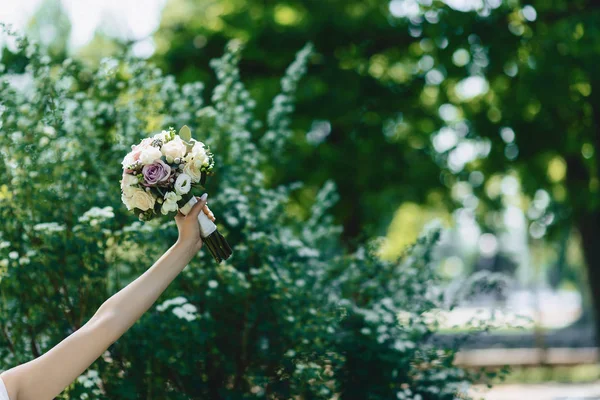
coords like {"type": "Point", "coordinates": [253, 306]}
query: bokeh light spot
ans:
{"type": "Point", "coordinates": [557, 169]}
{"type": "Point", "coordinates": [461, 57]}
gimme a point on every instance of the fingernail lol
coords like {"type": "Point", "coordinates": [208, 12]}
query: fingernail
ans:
{"type": "Point", "coordinates": [204, 196]}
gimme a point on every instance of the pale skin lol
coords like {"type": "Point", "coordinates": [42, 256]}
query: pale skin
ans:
{"type": "Point", "coordinates": [47, 376]}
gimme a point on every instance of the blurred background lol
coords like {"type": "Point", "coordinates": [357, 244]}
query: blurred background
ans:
{"type": "Point", "coordinates": [482, 113]}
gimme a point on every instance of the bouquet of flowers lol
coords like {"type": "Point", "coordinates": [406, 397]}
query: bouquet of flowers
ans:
{"type": "Point", "coordinates": [158, 177]}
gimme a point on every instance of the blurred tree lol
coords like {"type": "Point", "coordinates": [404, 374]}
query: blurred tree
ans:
{"type": "Point", "coordinates": [342, 105]}
{"type": "Point", "coordinates": [501, 95]}
{"type": "Point", "coordinates": [51, 27]}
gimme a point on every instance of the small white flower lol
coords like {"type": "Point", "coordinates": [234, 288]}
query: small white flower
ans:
{"type": "Point", "coordinates": [149, 155]}
{"type": "Point", "coordinates": [183, 314]}
{"type": "Point", "coordinates": [161, 136]}
{"type": "Point", "coordinates": [174, 301]}
{"type": "Point", "coordinates": [14, 255]}
{"type": "Point", "coordinates": [97, 213]}
{"type": "Point", "coordinates": [183, 184]}
{"type": "Point", "coordinates": [213, 284]}
{"type": "Point", "coordinates": [172, 196]}
{"type": "Point", "coordinates": [49, 130]}
{"type": "Point", "coordinates": [49, 227]}
{"type": "Point", "coordinates": [170, 203]}
{"type": "Point", "coordinates": [189, 308]}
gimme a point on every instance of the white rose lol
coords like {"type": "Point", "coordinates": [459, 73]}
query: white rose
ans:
{"type": "Point", "coordinates": [137, 198]}
{"type": "Point", "coordinates": [128, 180]}
{"type": "Point", "coordinates": [170, 203]}
{"type": "Point", "coordinates": [183, 184]}
{"type": "Point", "coordinates": [149, 155]}
{"type": "Point", "coordinates": [192, 170]}
{"type": "Point", "coordinates": [175, 148]}
{"type": "Point", "coordinates": [129, 190]}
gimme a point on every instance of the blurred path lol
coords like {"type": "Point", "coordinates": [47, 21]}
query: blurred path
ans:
{"type": "Point", "coordinates": [545, 391]}
{"type": "Point", "coordinates": [527, 357]}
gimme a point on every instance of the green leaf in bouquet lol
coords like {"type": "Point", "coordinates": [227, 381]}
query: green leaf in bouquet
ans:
{"type": "Point", "coordinates": [185, 134]}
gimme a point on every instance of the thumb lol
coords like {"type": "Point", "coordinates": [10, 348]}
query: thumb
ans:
{"type": "Point", "coordinates": [197, 208]}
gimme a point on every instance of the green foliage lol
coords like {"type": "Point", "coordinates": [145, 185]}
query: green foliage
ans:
{"type": "Point", "coordinates": [292, 314]}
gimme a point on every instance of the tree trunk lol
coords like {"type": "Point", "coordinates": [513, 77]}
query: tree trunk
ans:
{"type": "Point", "coordinates": [589, 228]}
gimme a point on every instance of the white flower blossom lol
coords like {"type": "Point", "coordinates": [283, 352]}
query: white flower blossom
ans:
{"type": "Point", "coordinates": [174, 301]}
{"type": "Point", "coordinates": [183, 184]}
{"type": "Point", "coordinates": [161, 136]}
{"type": "Point", "coordinates": [170, 203]}
{"type": "Point", "coordinates": [129, 180]}
{"type": "Point", "coordinates": [49, 227]}
{"type": "Point", "coordinates": [97, 213]}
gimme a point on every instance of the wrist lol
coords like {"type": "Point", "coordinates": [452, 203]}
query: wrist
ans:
{"type": "Point", "coordinates": [185, 247]}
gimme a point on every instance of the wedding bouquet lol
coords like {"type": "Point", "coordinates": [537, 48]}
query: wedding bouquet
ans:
{"type": "Point", "coordinates": [158, 177]}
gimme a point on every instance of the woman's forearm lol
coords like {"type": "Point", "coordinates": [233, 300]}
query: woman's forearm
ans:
{"type": "Point", "coordinates": [46, 376]}
{"type": "Point", "coordinates": [125, 307]}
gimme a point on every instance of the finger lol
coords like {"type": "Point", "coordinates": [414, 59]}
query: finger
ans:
{"type": "Point", "coordinates": [196, 208]}
{"type": "Point", "coordinates": [209, 213]}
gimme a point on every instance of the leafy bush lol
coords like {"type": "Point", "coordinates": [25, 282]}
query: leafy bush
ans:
{"type": "Point", "coordinates": [291, 315]}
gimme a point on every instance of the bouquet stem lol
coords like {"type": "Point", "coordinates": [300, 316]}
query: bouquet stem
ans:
{"type": "Point", "coordinates": [211, 237]}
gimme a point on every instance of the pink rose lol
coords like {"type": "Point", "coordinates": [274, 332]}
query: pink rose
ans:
{"type": "Point", "coordinates": [156, 173]}
{"type": "Point", "coordinates": [134, 154]}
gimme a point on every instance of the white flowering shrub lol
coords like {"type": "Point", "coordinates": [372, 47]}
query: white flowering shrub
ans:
{"type": "Point", "coordinates": [290, 315]}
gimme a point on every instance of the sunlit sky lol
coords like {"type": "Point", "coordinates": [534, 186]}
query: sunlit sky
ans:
{"type": "Point", "coordinates": [134, 19]}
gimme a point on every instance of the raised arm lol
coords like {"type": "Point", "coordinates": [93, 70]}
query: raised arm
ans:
{"type": "Point", "coordinates": [48, 375]}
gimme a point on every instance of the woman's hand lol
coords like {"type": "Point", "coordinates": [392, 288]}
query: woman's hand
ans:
{"type": "Point", "coordinates": [189, 229]}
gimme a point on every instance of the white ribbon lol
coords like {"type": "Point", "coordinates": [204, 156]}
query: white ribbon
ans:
{"type": "Point", "coordinates": [206, 225]}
